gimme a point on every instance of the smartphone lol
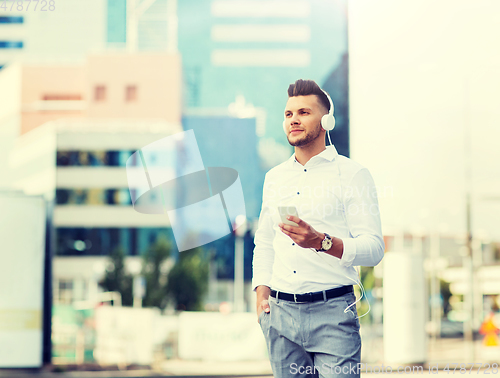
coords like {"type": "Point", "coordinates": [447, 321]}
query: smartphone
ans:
{"type": "Point", "coordinates": [285, 211]}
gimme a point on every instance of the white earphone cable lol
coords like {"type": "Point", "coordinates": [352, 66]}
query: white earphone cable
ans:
{"type": "Point", "coordinates": [360, 285]}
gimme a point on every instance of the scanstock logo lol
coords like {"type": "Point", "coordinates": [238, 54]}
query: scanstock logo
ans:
{"type": "Point", "coordinates": [167, 178]}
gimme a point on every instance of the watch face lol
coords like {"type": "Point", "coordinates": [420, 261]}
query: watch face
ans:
{"type": "Point", "coordinates": [326, 244]}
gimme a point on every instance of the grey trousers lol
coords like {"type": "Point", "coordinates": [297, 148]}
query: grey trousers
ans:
{"type": "Point", "coordinates": [317, 339]}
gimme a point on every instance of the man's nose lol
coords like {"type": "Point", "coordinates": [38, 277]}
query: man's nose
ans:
{"type": "Point", "coordinates": [294, 119]}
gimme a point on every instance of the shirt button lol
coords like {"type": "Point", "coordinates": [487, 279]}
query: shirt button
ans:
{"type": "Point", "coordinates": [293, 243]}
{"type": "Point", "coordinates": [298, 192]}
{"type": "Point", "coordinates": [305, 170]}
{"type": "Point", "coordinates": [294, 271]}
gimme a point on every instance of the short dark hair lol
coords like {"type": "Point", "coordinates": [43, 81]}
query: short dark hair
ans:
{"type": "Point", "coordinates": [306, 88]}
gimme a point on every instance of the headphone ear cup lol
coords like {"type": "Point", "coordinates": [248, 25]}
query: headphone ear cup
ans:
{"type": "Point", "coordinates": [333, 122]}
{"type": "Point", "coordinates": [328, 122]}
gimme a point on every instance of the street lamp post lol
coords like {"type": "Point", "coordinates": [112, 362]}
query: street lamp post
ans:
{"type": "Point", "coordinates": [239, 264]}
{"type": "Point", "coordinates": [468, 262]}
{"type": "Point", "coordinates": [138, 284]}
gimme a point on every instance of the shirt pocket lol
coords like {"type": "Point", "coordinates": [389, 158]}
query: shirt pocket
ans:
{"type": "Point", "coordinates": [322, 203]}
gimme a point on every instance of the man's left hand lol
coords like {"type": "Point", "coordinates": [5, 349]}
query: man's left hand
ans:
{"type": "Point", "coordinates": [302, 234]}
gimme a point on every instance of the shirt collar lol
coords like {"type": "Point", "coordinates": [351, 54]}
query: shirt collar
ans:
{"type": "Point", "coordinates": [329, 154]}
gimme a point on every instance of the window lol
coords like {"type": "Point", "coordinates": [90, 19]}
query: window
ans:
{"type": "Point", "coordinates": [65, 291]}
{"type": "Point", "coordinates": [117, 22]}
{"type": "Point", "coordinates": [61, 97]}
{"type": "Point", "coordinates": [93, 197]}
{"type": "Point", "coordinates": [11, 20]}
{"type": "Point", "coordinates": [100, 93]}
{"type": "Point", "coordinates": [65, 285]}
{"type": "Point", "coordinates": [130, 93]}
{"type": "Point", "coordinates": [95, 158]}
{"type": "Point", "coordinates": [102, 241]}
{"type": "Point", "coordinates": [11, 44]}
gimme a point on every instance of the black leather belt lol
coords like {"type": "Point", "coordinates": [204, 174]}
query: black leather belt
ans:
{"type": "Point", "coordinates": [313, 297]}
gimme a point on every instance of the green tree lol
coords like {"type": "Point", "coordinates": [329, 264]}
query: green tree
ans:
{"type": "Point", "coordinates": [116, 278]}
{"type": "Point", "coordinates": [188, 280]}
{"type": "Point", "coordinates": [153, 272]}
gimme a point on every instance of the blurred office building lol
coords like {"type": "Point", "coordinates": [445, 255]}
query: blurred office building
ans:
{"type": "Point", "coordinates": [228, 140]}
{"type": "Point", "coordinates": [257, 48]}
{"type": "Point", "coordinates": [227, 137]}
{"type": "Point", "coordinates": [248, 48]}
{"type": "Point", "coordinates": [78, 125]}
{"type": "Point", "coordinates": [80, 166]}
{"type": "Point", "coordinates": [146, 86]}
{"type": "Point", "coordinates": [22, 265]}
{"type": "Point", "coordinates": [71, 29]}
{"type": "Point", "coordinates": [251, 48]}
{"type": "Point", "coordinates": [11, 32]}
{"type": "Point", "coordinates": [141, 25]}
{"type": "Point", "coordinates": [64, 30]}
{"type": "Point", "coordinates": [449, 285]}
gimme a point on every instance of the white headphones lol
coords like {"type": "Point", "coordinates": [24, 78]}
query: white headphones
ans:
{"type": "Point", "coordinates": [327, 121]}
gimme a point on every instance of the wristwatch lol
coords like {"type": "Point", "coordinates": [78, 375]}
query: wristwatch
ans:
{"type": "Point", "coordinates": [326, 244]}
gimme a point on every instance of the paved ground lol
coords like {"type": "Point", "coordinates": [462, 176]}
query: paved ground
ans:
{"type": "Point", "coordinates": [207, 370]}
{"type": "Point", "coordinates": [148, 374]}
{"type": "Point", "coordinates": [440, 353]}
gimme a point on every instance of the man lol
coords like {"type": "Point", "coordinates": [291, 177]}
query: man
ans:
{"type": "Point", "coordinates": [338, 227]}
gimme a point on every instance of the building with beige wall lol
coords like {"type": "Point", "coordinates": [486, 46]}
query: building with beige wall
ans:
{"type": "Point", "coordinates": [49, 92]}
{"type": "Point", "coordinates": [74, 127]}
{"type": "Point", "coordinates": [136, 86]}
{"type": "Point", "coordinates": [79, 167]}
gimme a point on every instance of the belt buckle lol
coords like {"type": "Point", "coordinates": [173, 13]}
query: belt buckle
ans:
{"type": "Point", "coordinates": [295, 299]}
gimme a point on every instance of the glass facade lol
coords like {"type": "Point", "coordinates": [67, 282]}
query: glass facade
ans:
{"type": "Point", "coordinates": [11, 44]}
{"type": "Point", "coordinates": [117, 21]}
{"type": "Point", "coordinates": [93, 158]}
{"type": "Point", "coordinates": [11, 19]}
{"type": "Point", "coordinates": [93, 197]}
{"type": "Point", "coordinates": [72, 241]}
{"type": "Point", "coordinates": [222, 253]}
{"type": "Point", "coordinates": [107, 159]}
{"type": "Point", "coordinates": [231, 142]}
{"type": "Point", "coordinates": [233, 43]}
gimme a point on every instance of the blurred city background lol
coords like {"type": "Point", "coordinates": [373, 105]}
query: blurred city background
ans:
{"type": "Point", "coordinates": [87, 283]}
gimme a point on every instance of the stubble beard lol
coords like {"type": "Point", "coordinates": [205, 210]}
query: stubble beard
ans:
{"type": "Point", "coordinates": [306, 139]}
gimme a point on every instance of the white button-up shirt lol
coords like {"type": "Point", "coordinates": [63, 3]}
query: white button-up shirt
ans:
{"type": "Point", "coordinates": [343, 206]}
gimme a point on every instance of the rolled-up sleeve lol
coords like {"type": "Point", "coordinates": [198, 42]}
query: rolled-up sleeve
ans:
{"type": "Point", "coordinates": [366, 245]}
{"type": "Point", "coordinates": [263, 253]}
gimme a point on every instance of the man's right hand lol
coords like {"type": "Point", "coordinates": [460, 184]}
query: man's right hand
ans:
{"type": "Point", "coordinates": [263, 293]}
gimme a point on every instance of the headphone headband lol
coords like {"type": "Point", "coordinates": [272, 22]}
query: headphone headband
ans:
{"type": "Point", "coordinates": [330, 101]}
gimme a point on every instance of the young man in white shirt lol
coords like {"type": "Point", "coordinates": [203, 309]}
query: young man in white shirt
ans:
{"type": "Point", "coordinates": [304, 274]}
